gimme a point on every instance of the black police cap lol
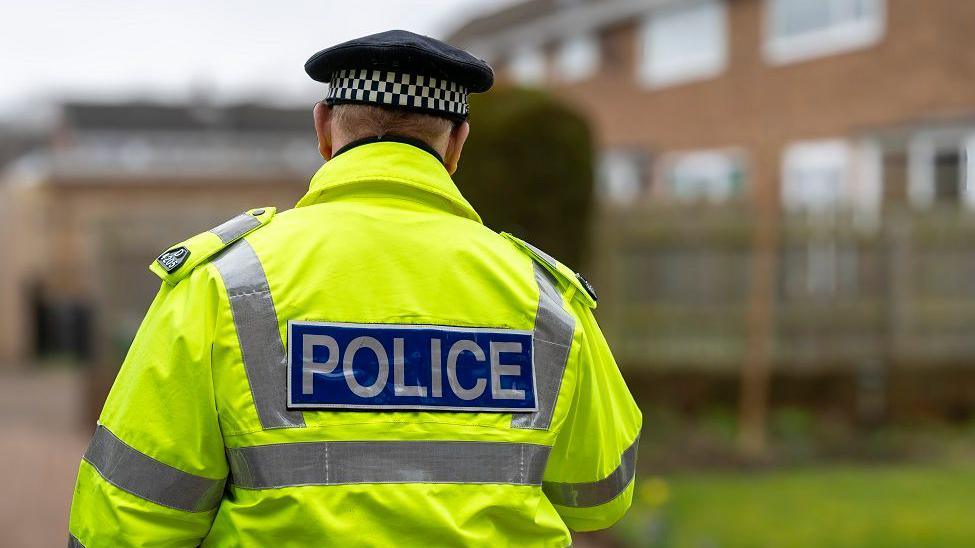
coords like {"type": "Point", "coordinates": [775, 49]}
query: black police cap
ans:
{"type": "Point", "coordinates": [398, 68]}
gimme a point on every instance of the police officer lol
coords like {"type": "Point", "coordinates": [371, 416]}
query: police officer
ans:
{"type": "Point", "coordinates": [373, 367]}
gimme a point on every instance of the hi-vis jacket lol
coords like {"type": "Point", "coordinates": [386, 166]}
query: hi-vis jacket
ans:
{"type": "Point", "coordinates": [375, 368]}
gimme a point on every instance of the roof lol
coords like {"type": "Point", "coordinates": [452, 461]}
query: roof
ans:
{"type": "Point", "coordinates": [145, 116]}
{"type": "Point", "coordinates": [535, 22]}
{"type": "Point", "coordinates": [138, 140]}
{"type": "Point", "coordinates": [15, 142]}
{"type": "Point", "coordinates": [518, 13]}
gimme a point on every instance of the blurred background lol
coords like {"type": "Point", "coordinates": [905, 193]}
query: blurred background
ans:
{"type": "Point", "coordinates": [774, 199]}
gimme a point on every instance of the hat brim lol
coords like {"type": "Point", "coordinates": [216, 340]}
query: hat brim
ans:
{"type": "Point", "coordinates": [429, 111]}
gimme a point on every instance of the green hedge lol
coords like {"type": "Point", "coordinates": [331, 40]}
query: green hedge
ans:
{"type": "Point", "coordinates": [528, 169]}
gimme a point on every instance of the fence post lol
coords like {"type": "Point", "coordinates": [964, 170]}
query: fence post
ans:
{"type": "Point", "coordinates": [756, 368]}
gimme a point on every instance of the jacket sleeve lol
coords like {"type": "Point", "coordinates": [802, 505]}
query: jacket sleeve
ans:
{"type": "Point", "coordinates": [155, 470]}
{"type": "Point", "coordinates": [591, 470]}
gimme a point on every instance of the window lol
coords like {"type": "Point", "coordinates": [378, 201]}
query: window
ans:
{"type": "Point", "coordinates": [940, 169]}
{"type": "Point", "coordinates": [817, 178]}
{"type": "Point", "coordinates": [947, 176]}
{"type": "Point", "coordinates": [621, 175]}
{"type": "Point", "coordinates": [816, 175]}
{"type": "Point", "coordinates": [528, 66]}
{"type": "Point", "coordinates": [682, 43]}
{"type": "Point", "coordinates": [706, 176]}
{"type": "Point", "coordinates": [969, 185]}
{"type": "Point", "coordinates": [804, 29]}
{"type": "Point", "coordinates": [577, 57]}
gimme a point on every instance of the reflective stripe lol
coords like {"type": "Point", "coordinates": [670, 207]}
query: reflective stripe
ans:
{"type": "Point", "coordinates": [347, 462]}
{"type": "Point", "coordinates": [236, 227]}
{"type": "Point", "coordinates": [552, 340]}
{"type": "Point", "coordinates": [73, 542]}
{"type": "Point", "coordinates": [146, 477]}
{"type": "Point", "coordinates": [256, 322]}
{"type": "Point", "coordinates": [594, 493]}
{"type": "Point", "coordinates": [544, 256]}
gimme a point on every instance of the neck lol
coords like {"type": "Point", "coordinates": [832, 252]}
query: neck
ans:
{"type": "Point", "coordinates": [412, 141]}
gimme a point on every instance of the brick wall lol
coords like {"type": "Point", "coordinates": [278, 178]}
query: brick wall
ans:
{"type": "Point", "coordinates": [61, 232]}
{"type": "Point", "coordinates": [923, 68]}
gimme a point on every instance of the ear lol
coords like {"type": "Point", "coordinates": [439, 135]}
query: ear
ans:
{"type": "Point", "coordinates": [458, 136]}
{"type": "Point", "coordinates": [323, 127]}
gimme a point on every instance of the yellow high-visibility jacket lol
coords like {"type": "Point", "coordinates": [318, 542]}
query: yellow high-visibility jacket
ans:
{"type": "Point", "coordinates": [374, 367]}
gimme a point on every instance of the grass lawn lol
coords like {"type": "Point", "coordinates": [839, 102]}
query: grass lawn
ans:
{"type": "Point", "coordinates": [864, 506]}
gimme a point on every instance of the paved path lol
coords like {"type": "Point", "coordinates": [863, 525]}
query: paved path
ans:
{"type": "Point", "coordinates": [41, 441]}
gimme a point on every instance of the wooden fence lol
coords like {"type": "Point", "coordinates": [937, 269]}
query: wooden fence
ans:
{"type": "Point", "coordinates": [898, 289]}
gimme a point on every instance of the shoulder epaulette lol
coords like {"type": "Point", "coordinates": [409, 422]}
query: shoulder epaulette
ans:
{"type": "Point", "coordinates": [582, 289]}
{"type": "Point", "coordinates": [179, 260]}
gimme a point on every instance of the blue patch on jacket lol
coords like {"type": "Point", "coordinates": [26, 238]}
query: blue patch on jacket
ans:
{"type": "Point", "coordinates": [401, 367]}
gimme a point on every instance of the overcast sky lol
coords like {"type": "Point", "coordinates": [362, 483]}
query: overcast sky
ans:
{"type": "Point", "coordinates": [170, 49]}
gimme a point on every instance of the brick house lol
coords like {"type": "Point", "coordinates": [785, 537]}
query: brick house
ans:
{"type": "Point", "coordinates": [788, 183]}
{"type": "Point", "coordinates": [112, 186]}
{"type": "Point", "coordinates": [806, 104]}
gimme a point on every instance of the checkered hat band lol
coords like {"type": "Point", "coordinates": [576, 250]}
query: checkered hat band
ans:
{"type": "Point", "coordinates": [398, 90]}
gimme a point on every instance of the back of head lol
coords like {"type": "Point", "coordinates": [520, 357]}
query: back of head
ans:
{"type": "Point", "coordinates": [358, 121]}
{"type": "Point", "coordinates": [397, 84]}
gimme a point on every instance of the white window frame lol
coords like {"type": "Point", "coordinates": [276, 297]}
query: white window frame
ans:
{"type": "Point", "coordinates": [654, 76]}
{"type": "Point", "coordinates": [857, 161]}
{"type": "Point", "coordinates": [819, 153]}
{"type": "Point", "coordinates": [633, 159]}
{"type": "Point", "coordinates": [780, 50]}
{"type": "Point", "coordinates": [528, 65]}
{"type": "Point", "coordinates": [734, 156]}
{"type": "Point", "coordinates": [968, 168]}
{"type": "Point", "coordinates": [867, 185]}
{"type": "Point", "coordinates": [922, 150]}
{"type": "Point", "coordinates": [577, 57]}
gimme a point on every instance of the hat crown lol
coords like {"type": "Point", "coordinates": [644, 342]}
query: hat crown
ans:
{"type": "Point", "coordinates": [405, 52]}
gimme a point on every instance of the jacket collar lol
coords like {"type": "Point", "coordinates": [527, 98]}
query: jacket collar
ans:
{"type": "Point", "coordinates": [413, 173]}
{"type": "Point", "coordinates": [390, 139]}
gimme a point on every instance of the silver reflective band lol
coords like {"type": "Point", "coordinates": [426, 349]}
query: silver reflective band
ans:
{"type": "Point", "coordinates": [73, 542]}
{"type": "Point", "coordinates": [348, 462]}
{"type": "Point", "coordinates": [580, 495]}
{"type": "Point", "coordinates": [552, 339]}
{"type": "Point", "coordinates": [146, 477]}
{"type": "Point", "coordinates": [544, 256]}
{"type": "Point", "coordinates": [236, 227]}
{"type": "Point", "coordinates": [256, 322]}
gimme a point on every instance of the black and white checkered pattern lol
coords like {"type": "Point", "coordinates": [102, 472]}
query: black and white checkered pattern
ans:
{"type": "Point", "coordinates": [398, 90]}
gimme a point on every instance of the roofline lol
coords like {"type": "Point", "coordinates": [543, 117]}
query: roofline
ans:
{"type": "Point", "coordinates": [568, 21]}
{"type": "Point", "coordinates": [488, 22]}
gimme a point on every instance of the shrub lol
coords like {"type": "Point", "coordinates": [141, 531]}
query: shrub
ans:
{"type": "Point", "coordinates": [527, 168]}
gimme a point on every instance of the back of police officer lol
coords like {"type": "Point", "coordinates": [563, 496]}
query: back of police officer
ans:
{"type": "Point", "coordinates": [373, 367]}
